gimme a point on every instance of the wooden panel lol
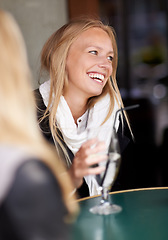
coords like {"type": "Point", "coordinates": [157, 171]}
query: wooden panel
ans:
{"type": "Point", "coordinates": [77, 8]}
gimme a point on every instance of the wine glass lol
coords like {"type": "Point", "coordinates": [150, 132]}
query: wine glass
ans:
{"type": "Point", "coordinates": [106, 179]}
{"type": "Point", "coordinates": [112, 165]}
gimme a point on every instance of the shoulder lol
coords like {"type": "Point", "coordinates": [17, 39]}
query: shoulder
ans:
{"type": "Point", "coordinates": [34, 205]}
{"type": "Point", "coordinates": [35, 190]}
{"type": "Point", "coordinates": [34, 175]}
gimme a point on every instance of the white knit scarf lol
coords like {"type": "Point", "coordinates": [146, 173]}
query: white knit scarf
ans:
{"type": "Point", "coordinates": [69, 129]}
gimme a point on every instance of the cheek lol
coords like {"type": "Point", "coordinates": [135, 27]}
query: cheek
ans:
{"type": "Point", "coordinates": [72, 71]}
{"type": "Point", "coordinates": [69, 66]}
{"type": "Point", "coordinates": [73, 64]}
{"type": "Point", "coordinates": [71, 59]}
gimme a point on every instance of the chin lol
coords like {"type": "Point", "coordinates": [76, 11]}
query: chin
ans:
{"type": "Point", "coordinates": [96, 94]}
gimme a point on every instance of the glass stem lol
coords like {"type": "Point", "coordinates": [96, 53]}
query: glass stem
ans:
{"type": "Point", "coordinates": [104, 195]}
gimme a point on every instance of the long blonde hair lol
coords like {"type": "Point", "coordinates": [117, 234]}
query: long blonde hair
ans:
{"type": "Point", "coordinates": [18, 119]}
{"type": "Point", "coordinates": [53, 61]}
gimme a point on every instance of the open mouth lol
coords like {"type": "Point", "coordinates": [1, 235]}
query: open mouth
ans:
{"type": "Point", "coordinates": [97, 77]}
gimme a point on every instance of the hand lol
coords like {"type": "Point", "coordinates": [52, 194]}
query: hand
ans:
{"type": "Point", "coordinates": [85, 158]}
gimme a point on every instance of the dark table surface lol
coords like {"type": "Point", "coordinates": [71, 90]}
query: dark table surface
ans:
{"type": "Point", "coordinates": [144, 216]}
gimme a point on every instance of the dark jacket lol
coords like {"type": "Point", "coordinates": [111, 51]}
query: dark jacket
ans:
{"type": "Point", "coordinates": [33, 207]}
{"type": "Point", "coordinates": [44, 125]}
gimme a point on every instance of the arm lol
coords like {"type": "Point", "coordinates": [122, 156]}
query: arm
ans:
{"type": "Point", "coordinates": [34, 204]}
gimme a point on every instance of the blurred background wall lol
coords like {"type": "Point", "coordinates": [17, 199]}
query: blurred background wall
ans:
{"type": "Point", "coordinates": [142, 37]}
{"type": "Point", "coordinates": [38, 19]}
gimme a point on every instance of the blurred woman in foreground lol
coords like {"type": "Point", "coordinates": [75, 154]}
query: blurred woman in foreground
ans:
{"type": "Point", "coordinates": [35, 199]}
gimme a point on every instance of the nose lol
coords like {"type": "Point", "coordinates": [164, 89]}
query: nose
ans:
{"type": "Point", "coordinates": [105, 63]}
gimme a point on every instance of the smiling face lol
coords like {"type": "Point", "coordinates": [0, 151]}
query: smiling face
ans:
{"type": "Point", "coordinates": [89, 64]}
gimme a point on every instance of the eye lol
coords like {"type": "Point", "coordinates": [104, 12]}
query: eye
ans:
{"type": "Point", "coordinates": [110, 58]}
{"type": "Point", "coordinates": [93, 52]}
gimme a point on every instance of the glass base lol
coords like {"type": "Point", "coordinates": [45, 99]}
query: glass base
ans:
{"type": "Point", "coordinates": [105, 209]}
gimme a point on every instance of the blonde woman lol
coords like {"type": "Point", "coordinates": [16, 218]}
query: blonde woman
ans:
{"type": "Point", "coordinates": [81, 92]}
{"type": "Point", "coordinates": [35, 190]}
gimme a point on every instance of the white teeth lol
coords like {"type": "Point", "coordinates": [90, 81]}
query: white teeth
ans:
{"type": "Point", "coordinates": [97, 76]}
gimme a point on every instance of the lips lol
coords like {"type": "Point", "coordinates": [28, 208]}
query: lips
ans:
{"type": "Point", "coordinates": [98, 77]}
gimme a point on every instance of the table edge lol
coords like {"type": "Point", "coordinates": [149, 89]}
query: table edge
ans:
{"type": "Point", "coordinates": [124, 191]}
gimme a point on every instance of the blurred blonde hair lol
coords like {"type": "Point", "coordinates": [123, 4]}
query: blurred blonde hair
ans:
{"type": "Point", "coordinates": [18, 119]}
{"type": "Point", "coordinates": [53, 61]}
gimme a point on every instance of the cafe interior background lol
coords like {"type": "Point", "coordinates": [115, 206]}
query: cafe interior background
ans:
{"type": "Point", "coordinates": [142, 36]}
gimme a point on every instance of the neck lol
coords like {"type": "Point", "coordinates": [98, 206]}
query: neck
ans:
{"type": "Point", "coordinates": [77, 106]}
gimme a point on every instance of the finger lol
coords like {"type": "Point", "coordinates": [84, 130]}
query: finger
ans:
{"type": "Point", "coordinates": [94, 159]}
{"type": "Point", "coordinates": [100, 146]}
{"type": "Point", "coordinates": [90, 142]}
{"type": "Point", "coordinates": [94, 171]}
{"type": "Point", "coordinates": [90, 147]}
